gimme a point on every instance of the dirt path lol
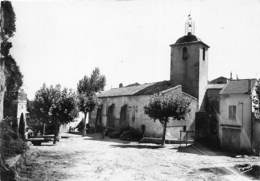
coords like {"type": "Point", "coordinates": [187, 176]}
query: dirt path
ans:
{"type": "Point", "coordinates": [91, 158]}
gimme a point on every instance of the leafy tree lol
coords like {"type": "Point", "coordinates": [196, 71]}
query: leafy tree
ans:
{"type": "Point", "coordinates": [44, 98]}
{"type": "Point", "coordinates": [87, 89]}
{"type": "Point", "coordinates": [13, 83]}
{"type": "Point", "coordinates": [8, 18]}
{"type": "Point", "coordinates": [12, 72]}
{"type": "Point", "coordinates": [54, 106]}
{"type": "Point", "coordinates": [163, 107]}
{"type": "Point", "coordinates": [22, 127]}
{"type": "Point", "coordinates": [89, 85]}
{"type": "Point", "coordinates": [7, 29]}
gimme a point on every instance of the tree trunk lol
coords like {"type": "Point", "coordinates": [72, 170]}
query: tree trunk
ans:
{"type": "Point", "coordinates": [57, 132]}
{"type": "Point", "coordinates": [44, 128]}
{"type": "Point", "coordinates": [84, 124]}
{"type": "Point", "coordinates": [164, 131]}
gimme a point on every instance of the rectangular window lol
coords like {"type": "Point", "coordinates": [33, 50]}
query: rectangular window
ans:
{"type": "Point", "coordinates": [232, 112]}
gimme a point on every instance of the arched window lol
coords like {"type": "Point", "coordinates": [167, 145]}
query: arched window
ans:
{"type": "Point", "coordinates": [124, 116]}
{"type": "Point", "coordinates": [99, 116]}
{"type": "Point", "coordinates": [110, 116]}
{"type": "Point", "coordinates": [184, 53]}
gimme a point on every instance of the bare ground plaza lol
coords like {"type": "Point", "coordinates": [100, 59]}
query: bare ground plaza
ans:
{"type": "Point", "coordinates": [93, 158]}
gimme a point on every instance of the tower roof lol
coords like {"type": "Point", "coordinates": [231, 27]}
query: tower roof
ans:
{"type": "Point", "coordinates": [187, 38]}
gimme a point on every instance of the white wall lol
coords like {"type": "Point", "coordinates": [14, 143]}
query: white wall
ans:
{"type": "Point", "coordinates": [21, 109]}
{"type": "Point", "coordinates": [243, 118]}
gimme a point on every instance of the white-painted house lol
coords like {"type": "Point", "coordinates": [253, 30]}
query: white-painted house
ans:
{"type": "Point", "coordinates": [236, 120]}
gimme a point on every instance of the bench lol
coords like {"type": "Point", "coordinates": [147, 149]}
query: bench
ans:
{"type": "Point", "coordinates": [37, 140]}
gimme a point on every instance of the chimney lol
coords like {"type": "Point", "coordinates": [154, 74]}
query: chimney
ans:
{"type": "Point", "coordinates": [231, 76]}
{"type": "Point", "coordinates": [120, 85]}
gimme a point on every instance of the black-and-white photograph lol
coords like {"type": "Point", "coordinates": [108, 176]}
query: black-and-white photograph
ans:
{"type": "Point", "coordinates": [129, 90]}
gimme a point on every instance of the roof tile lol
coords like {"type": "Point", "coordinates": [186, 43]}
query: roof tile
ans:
{"type": "Point", "coordinates": [143, 89]}
{"type": "Point", "coordinates": [238, 86]}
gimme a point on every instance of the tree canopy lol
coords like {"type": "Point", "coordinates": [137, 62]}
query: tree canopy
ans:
{"type": "Point", "coordinates": [163, 107]}
{"type": "Point", "coordinates": [13, 75]}
{"type": "Point", "coordinates": [54, 105]}
{"type": "Point", "coordinates": [89, 85]}
{"type": "Point", "coordinates": [87, 89]}
{"type": "Point", "coordinates": [8, 18]}
{"type": "Point", "coordinates": [12, 72]}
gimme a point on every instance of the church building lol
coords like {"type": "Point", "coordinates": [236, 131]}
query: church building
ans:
{"type": "Point", "coordinates": [124, 106]}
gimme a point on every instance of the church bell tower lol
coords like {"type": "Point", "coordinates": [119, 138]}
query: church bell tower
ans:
{"type": "Point", "coordinates": [189, 63]}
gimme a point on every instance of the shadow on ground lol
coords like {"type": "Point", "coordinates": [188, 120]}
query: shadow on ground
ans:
{"type": "Point", "coordinates": [45, 165]}
{"type": "Point", "coordinates": [140, 146]}
{"type": "Point", "coordinates": [98, 137]}
{"type": "Point", "coordinates": [207, 151]}
{"type": "Point", "coordinates": [188, 149]}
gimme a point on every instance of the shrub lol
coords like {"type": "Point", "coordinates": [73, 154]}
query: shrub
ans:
{"type": "Point", "coordinates": [11, 144]}
{"type": "Point", "coordinates": [131, 134]}
{"type": "Point", "coordinates": [114, 134]}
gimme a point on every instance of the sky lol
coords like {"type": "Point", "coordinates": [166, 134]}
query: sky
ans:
{"type": "Point", "coordinates": [60, 41]}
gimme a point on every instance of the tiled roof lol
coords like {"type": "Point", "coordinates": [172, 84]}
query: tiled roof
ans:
{"type": "Point", "coordinates": [156, 87]}
{"type": "Point", "coordinates": [143, 89]}
{"type": "Point", "coordinates": [240, 86]}
{"type": "Point", "coordinates": [216, 86]}
{"type": "Point", "coordinates": [219, 80]}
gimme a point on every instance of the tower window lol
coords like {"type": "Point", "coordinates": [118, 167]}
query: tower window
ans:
{"type": "Point", "coordinates": [203, 53]}
{"type": "Point", "coordinates": [185, 53]}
